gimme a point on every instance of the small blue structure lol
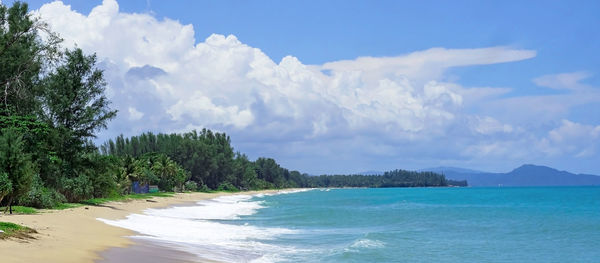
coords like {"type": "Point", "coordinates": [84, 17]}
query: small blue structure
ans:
{"type": "Point", "coordinates": [139, 189]}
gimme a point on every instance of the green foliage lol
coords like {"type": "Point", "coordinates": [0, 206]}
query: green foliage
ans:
{"type": "Point", "coordinates": [76, 188]}
{"type": "Point", "coordinates": [102, 171]}
{"type": "Point", "coordinates": [228, 187]}
{"type": "Point", "coordinates": [191, 186]}
{"type": "Point", "coordinates": [24, 210]}
{"type": "Point", "coordinates": [153, 169]}
{"type": "Point", "coordinates": [16, 164]}
{"type": "Point", "coordinates": [99, 201]}
{"type": "Point", "coordinates": [5, 185]}
{"type": "Point", "coordinates": [395, 178]}
{"type": "Point", "coordinates": [74, 97]}
{"type": "Point", "coordinates": [23, 55]}
{"type": "Point", "coordinates": [75, 105]}
{"type": "Point", "coordinates": [7, 226]}
{"type": "Point", "coordinates": [244, 173]}
{"type": "Point", "coordinates": [40, 196]}
{"type": "Point", "coordinates": [206, 155]}
{"type": "Point", "coordinates": [204, 189]}
{"type": "Point", "coordinates": [170, 175]}
{"type": "Point", "coordinates": [63, 206]}
{"type": "Point", "coordinates": [268, 170]}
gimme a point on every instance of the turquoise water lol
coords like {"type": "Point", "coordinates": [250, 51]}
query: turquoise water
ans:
{"type": "Point", "coordinates": [536, 224]}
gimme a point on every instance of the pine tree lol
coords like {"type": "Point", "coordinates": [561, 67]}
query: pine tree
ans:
{"type": "Point", "coordinates": [15, 164]}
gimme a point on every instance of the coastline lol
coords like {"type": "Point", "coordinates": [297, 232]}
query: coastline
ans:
{"type": "Point", "coordinates": [75, 234]}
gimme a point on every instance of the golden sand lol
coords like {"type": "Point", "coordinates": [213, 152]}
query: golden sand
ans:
{"type": "Point", "coordinates": [75, 234]}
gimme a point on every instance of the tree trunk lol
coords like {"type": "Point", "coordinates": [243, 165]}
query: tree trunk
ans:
{"type": "Point", "coordinates": [10, 201]}
{"type": "Point", "coordinates": [9, 205]}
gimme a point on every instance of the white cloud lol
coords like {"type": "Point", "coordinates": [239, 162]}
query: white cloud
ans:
{"type": "Point", "coordinates": [134, 114]}
{"type": "Point", "coordinates": [431, 63]}
{"type": "Point", "coordinates": [488, 125]}
{"type": "Point", "coordinates": [572, 138]}
{"type": "Point", "coordinates": [167, 81]}
{"type": "Point", "coordinates": [223, 82]}
{"type": "Point", "coordinates": [568, 81]}
{"type": "Point", "coordinates": [532, 110]}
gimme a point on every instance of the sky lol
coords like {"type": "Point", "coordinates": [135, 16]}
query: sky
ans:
{"type": "Point", "coordinates": [351, 86]}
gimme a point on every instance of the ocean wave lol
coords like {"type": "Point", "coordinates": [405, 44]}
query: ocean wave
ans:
{"type": "Point", "coordinates": [200, 229]}
{"type": "Point", "coordinates": [220, 208]}
{"type": "Point", "coordinates": [367, 243]}
{"type": "Point", "coordinates": [283, 192]}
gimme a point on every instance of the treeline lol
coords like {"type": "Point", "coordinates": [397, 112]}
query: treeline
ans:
{"type": "Point", "coordinates": [395, 178]}
{"type": "Point", "coordinates": [208, 157]}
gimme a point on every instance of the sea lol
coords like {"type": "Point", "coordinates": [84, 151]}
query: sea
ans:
{"type": "Point", "coordinates": [469, 224]}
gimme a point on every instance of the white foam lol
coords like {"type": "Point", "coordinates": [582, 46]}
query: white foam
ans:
{"type": "Point", "coordinates": [367, 243]}
{"type": "Point", "coordinates": [283, 192]}
{"type": "Point", "coordinates": [224, 208]}
{"type": "Point", "coordinates": [199, 229]}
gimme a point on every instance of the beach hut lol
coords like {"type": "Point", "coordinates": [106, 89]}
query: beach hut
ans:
{"type": "Point", "coordinates": [138, 188]}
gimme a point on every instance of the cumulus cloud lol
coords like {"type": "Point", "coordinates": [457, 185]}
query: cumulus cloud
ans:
{"type": "Point", "coordinates": [224, 83]}
{"type": "Point", "coordinates": [134, 114]}
{"type": "Point", "coordinates": [162, 79]}
{"type": "Point", "coordinates": [572, 138]}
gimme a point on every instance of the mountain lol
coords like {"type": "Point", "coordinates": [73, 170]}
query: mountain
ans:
{"type": "Point", "coordinates": [526, 175]}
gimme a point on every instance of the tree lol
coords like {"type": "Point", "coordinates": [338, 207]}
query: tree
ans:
{"type": "Point", "coordinates": [5, 185]}
{"type": "Point", "coordinates": [74, 103]}
{"type": "Point", "coordinates": [16, 164]}
{"type": "Point", "coordinates": [23, 56]}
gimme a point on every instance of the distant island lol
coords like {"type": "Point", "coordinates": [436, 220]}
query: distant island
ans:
{"type": "Point", "coordinates": [395, 178]}
{"type": "Point", "coordinates": [525, 175]}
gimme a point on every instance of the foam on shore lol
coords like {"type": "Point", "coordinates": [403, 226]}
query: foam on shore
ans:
{"type": "Point", "coordinates": [209, 229]}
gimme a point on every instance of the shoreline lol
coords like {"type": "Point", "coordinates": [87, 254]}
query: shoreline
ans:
{"type": "Point", "coordinates": [75, 234]}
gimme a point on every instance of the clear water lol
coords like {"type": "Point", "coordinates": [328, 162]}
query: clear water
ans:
{"type": "Point", "coordinates": [536, 224]}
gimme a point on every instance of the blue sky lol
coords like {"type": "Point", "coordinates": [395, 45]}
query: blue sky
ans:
{"type": "Point", "coordinates": [348, 86]}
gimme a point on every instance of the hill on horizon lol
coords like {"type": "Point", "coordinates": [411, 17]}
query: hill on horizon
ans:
{"type": "Point", "coordinates": [525, 175]}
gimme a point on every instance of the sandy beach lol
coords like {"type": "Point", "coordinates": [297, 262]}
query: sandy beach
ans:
{"type": "Point", "coordinates": [75, 235]}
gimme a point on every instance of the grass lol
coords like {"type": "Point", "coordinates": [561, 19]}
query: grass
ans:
{"type": "Point", "coordinates": [94, 201]}
{"type": "Point", "coordinates": [66, 206]}
{"type": "Point", "coordinates": [17, 209]}
{"type": "Point", "coordinates": [15, 231]}
{"type": "Point", "coordinates": [99, 201]}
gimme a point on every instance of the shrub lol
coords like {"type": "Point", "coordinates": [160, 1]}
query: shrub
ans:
{"type": "Point", "coordinates": [191, 186]}
{"type": "Point", "coordinates": [41, 197]}
{"type": "Point", "coordinates": [77, 189]}
{"type": "Point", "coordinates": [104, 185]}
{"type": "Point", "coordinates": [204, 188]}
{"type": "Point", "coordinates": [227, 186]}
